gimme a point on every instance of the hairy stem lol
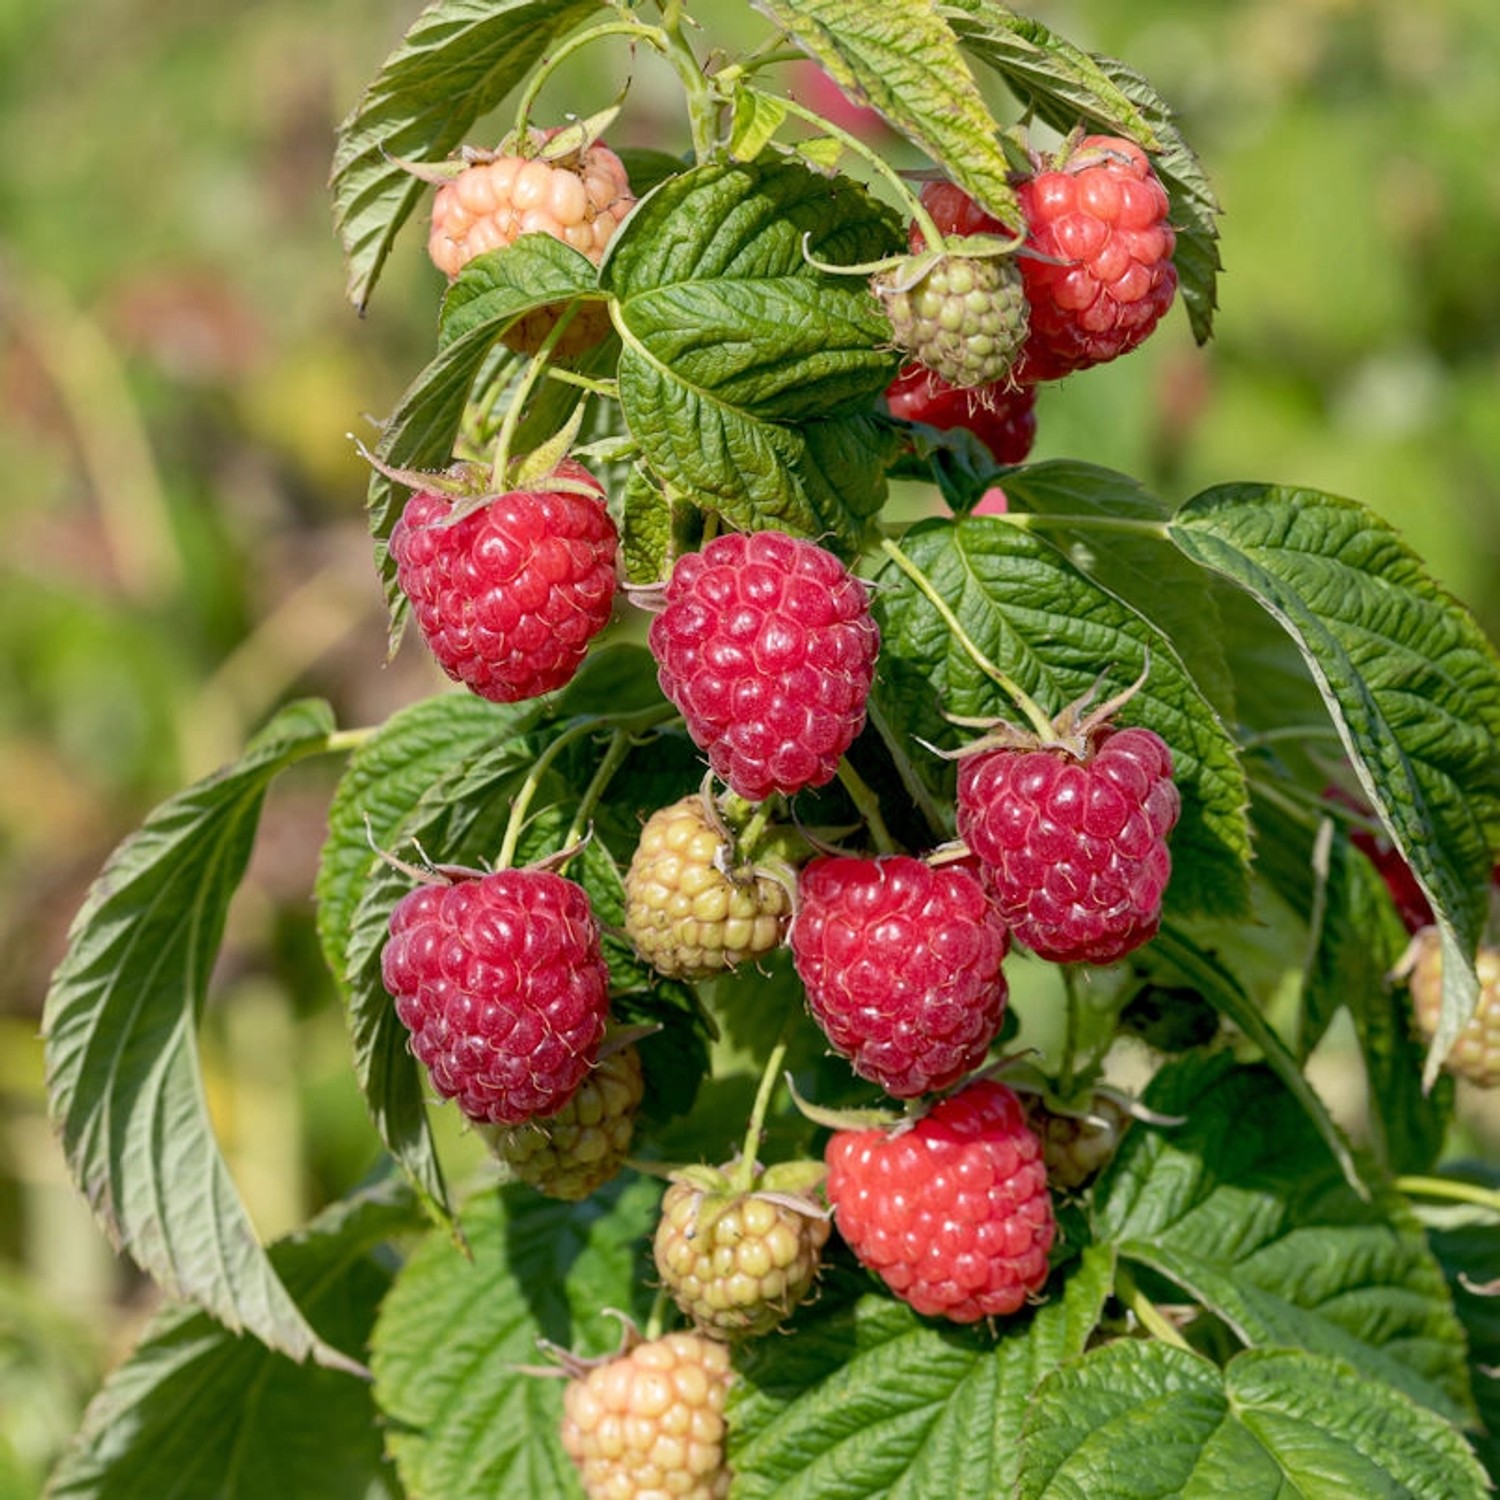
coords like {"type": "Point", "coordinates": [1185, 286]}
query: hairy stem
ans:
{"type": "Point", "coordinates": [744, 1173]}
{"type": "Point", "coordinates": [868, 806]}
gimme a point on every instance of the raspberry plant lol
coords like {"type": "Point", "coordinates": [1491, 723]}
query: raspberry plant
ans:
{"type": "Point", "coordinates": [1246, 1298]}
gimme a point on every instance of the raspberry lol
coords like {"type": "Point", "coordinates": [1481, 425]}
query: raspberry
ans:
{"type": "Point", "coordinates": [953, 1213]}
{"type": "Point", "coordinates": [502, 984]}
{"type": "Point", "coordinates": [1076, 1148]}
{"type": "Point", "coordinates": [1074, 845]}
{"type": "Point", "coordinates": [650, 1423]}
{"type": "Point", "coordinates": [767, 647]}
{"type": "Point", "coordinates": [961, 317]}
{"type": "Point", "coordinates": [901, 963]}
{"type": "Point", "coordinates": [737, 1263]}
{"type": "Point", "coordinates": [688, 913]}
{"type": "Point", "coordinates": [509, 596]}
{"type": "Point", "coordinates": [1001, 416]}
{"type": "Point", "coordinates": [1476, 1054]}
{"type": "Point", "coordinates": [1101, 274]}
{"type": "Point", "coordinates": [583, 1145]}
{"type": "Point", "coordinates": [579, 199]}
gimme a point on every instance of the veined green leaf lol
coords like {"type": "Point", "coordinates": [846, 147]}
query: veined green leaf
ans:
{"type": "Point", "coordinates": [1242, 1207]}
{"type": "Point", "coordinates": [261, 1425]}
{"type": "Point", "coordinates": [1407, 677]}
{"type": "Point", "coordinates": [123, 1073]}
{"type": "Point", "coordinates": [458, 60]}
{"type": "Point", "coordinates": [905, 62]}
{"type": "Point", "coordinates": [1056, 633]}
{"type": "Point", "coordinates": [465, 1421]}
{"type": "Point", "coordinates": [497, 288]}
{"type": "Point", "coordinates": [1141, 1420]}
{"type": "Point", "coordinates": [866, 1399]}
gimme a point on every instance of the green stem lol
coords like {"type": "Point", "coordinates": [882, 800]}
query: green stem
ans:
{"type": "Point", "coordinates": [522, 393]}
{"type": "Point", "coordinates": [744, 1173]}
{"type": "Point", "coordinates": [916, 788]}
{"type": "Point", "coordinates": [608, 389]}
{"type": "Point", "coordinates": [649, 34]}
{"type": "Point", "coordinates": [1070, 1034]}
{"type": "Point", "coordinates": [656, 1319]}
{"type": "Point", "coordinates": [1451, 1190]}
{"type": "Point", "coordinates": [342, 741]}
{"type": "Point", "coordinates": [1149, 1315]}
{"type": "Point", "coordinates": [1023, 701]}
{"type": "Point", "coordinates": [1298, 732]}
{"type": "Point", "coordinates": [614, 758]}
{"type": "Point", "coordinates": [702, 109]}
{"type": "Point", "coordinates": [759, 820]}
{"type": "Point", "coordinates": [1035, 521]}
{"type": "Point", "coordinates": [868, 806]}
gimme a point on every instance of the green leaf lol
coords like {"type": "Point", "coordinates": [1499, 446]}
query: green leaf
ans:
{"type": "Point", "coordinates": [1055, 632]}
{"type": "Point", "coordinates": [459, 59]}
{"type": "Point", "coordinates": [123, 1074]}
{"type": "Point", "coordinates": [646, 538]}
{"type": "Point", "coordinates": [746, 371]}
{"type": "Point", "coordinates": [864, 1398]}
{"type": "Point", "coordinates": [1144, 1421]}
{"type": "Point", "coordinates": [465, 1421]}
{"type": "Point", "coordinates": [1242, 1207]}
{"type": "Point", "coordinates": [260, 1424]}
{"type": "Point", "coordinates": [756, 119]}
{"type": "Point", "coordinates": [496, 289]}
{"type": "Point", "coordinates": [1412, 686]}
{"type": "Point", "coordinates": [905, 62]}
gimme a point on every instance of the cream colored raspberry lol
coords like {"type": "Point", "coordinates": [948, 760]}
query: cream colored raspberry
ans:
{"type": "Point", "coordinates": [1476, 1053]}
{"type": "Point", "coordinates": [650, 1424]}
{"type": "Point", "coordinates": [688, 914]}
{"type": "Point", "coordinates": [1076, 1148]}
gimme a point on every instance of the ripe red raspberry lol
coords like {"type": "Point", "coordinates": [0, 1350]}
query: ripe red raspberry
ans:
{"type": "Point", "coordinates": [579, 198]}
{"type": "Point", "coordinates": [1101, 273]}
{"type": "Point", "coordinates": [509, 597]}
{"type": "Point", "coordinates": [1476, 1054]}
{"type": "Point", "coordinates": [576, 1151]}
{"type": "Point", "coordinates": [901, 963]}
{"type": "Point", "coordinates": [502, 984]}
{"type": "Point", "coordinates": [952, 1213]}
{"type": "Point", "coordinates": [767, 647]}
{"type": "Point", "coordinates": [650, 1423]}
{"type": "Point", "coordinates": [1074, 845]}
{"type": "Point", "coordinates": [690, 910]}
{"type": "Point", "coordinates": [1002, 416]}
{"type": "Point", "coordinates": [738, 1262]}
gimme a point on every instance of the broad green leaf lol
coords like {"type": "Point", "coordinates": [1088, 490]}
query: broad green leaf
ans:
{"type": "Point", "coordinates": [646, 537]}
{"type": "Point", "coordinates": [1242, 1207]}
{"type": "Point", "coordinates": [864, 1398]}
{"type": "Point", "coordinates": [905, 62]}
{"type": "Point", "coordinates": [747, 375]}
{"type": "Point", "coordinates": [1056, 632]}
{"type": "Point", "coordinates": [1066, 87]}
{"type": "Point", "coordinates": [497, 288]}
{"type": "Point", "coordinates": [1079, 502]}
{"type": "Point", "coordinates": [1410, 682]}
{"type": "Point", "coordinates": [465, 1421]}
{"type": "Point", "coordinates": [756, 119]}
{"type": "Point", "coordinates": [1144, 1421]}
{"type": "Point", "coordinates": [260, 1425]}
{"type": "Point", "coordinates": [459, 59]}
{"type": "Point", "coordinates": [123, 1074]}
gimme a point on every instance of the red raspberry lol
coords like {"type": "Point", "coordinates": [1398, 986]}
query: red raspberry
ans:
{"type": "Point", "coordinates": [1074, 846]}
{"type": "Point", "coordinates": [767, 647]}
{"type": "Point", "coordinates": [650, 1424]}
{"type": "Point", "coordinates": [501, 982]}
{"type": "Point", "coordinates": [1002, 416]}
{"type": "Point", "coordinates": [509, 597]}
{"type": "Point", "coordinates": [1102, 274]}
{"type": "Point", "coordinates": [953, 1213]}
{"type": "Point", "coordinates": [901, 963]}
{"type": "Point", "coordinates": [579, 199]}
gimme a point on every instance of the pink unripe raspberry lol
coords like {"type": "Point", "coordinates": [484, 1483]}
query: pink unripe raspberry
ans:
{"type": "Point", "coordinates": [1101, 274]}
{"type": "Point", "coordinates": [1074, 848]}
{"type": "Point", "coordinates": [767, 647]}
{"type": "Point", "coordinates": [650, 1424]}
{"type": "Point", "coordinates": [509, 597]}
{"type": "Point", "coordinates": [501, 981]}
{"type": "Point", "coordinates": [901, 963]}
{"type": "Point", "coordinates": [952, 1212]}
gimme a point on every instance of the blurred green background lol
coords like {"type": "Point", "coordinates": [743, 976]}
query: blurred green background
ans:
{"type": "Point", "coordinates": [185, 546]}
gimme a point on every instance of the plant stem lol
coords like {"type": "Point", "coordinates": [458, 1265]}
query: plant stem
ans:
{"type": "Point", "coordinates": [1450, 1189]}
{"type": "Point", "coordinates": [1147, 1313]}
{"type": "Point", "coordinates": [868, 806]}
{"type": "Point", "coordinates": [1023, 701]}
{"type": "Point", "coordinates": [608, 389]}
{"type": "Point", "coordinates": [614, 757]}
{"type": "Point", "coordinates": [520, 396]}
{"type": "Point", "coordinates": [649, 34]}
{"type": "Point", "coordinates": [702, 109]}
{"type": "Point", "coordinates": [744, 1173]}
{"type": "Point", "coordinates": [1070, 1035]}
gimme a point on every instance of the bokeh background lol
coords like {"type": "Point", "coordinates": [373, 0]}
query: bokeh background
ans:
{"type": "Point", "coordinates": [184, 545]}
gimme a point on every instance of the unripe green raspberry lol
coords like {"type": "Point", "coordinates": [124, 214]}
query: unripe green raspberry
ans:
{"type": "Point", "coordinates": [688, 913]}
{"type": "Point", "coordinates": [964, 318]}
{"type": "Point", "coordinates": [1077, 1147]}
{"type": "Point", "coordinates": [650, 1423]}
{"type": "Point", "coordinates": [739, 1262]}
{"type": "Point", "coordinates": [1476, 1053]}
{"type": "Point", "coordinates": [572, 1153]}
